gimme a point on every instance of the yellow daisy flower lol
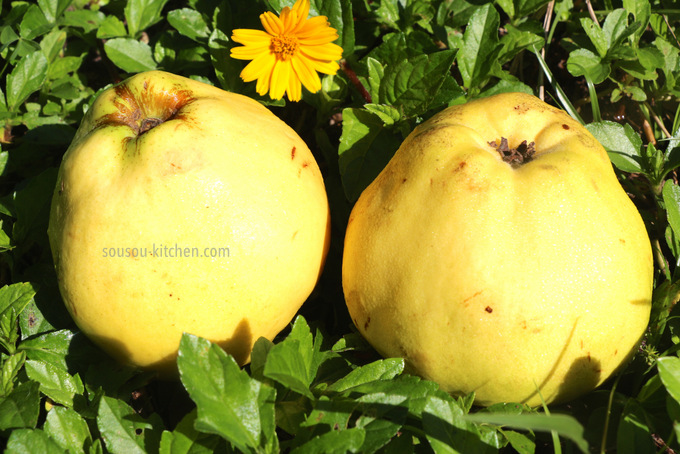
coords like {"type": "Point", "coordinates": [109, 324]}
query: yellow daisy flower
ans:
{"type": "Point", "coordinates": [290, 50]}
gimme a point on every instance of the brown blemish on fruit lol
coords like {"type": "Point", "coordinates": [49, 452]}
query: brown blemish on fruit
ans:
{"type": "Point", "coordinates": [622, 241]}
{"type": "Point", "coordinates": [565, 126]}
{"type": "Point", "coordinates": [292, 153]}
{"type": "Point", "coordinates": [522, 154]}
{"type": "Point", "coordinates": [404, 180]}
{"type": "Point", "coordinates": [588, 356]}
{"type": "Point", "coordinates": [489, 309]}
{"type": "Point", "coordinates": [466, 301]}
{"type": "Point", "coordinates": [461, 165]}
{"type": "Point", "coordinates": [368, 322]}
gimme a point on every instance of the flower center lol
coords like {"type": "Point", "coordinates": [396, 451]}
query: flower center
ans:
{"type": "Point", "coordinates": [284, 46]}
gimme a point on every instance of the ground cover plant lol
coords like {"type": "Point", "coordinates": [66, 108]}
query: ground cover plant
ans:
{"type": "Point", "coordinates": [613, 65]}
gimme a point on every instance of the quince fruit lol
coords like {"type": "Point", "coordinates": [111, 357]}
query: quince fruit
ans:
{"type": "Point", "coordinates": [498, 254]}
{"type": "Point", "coordinates": [180, 207]}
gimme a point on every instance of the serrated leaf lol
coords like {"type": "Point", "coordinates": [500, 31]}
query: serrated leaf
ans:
{"type": "Point", "coordinates": [55, 382]}
{"type": "Point", "coordinates": [295, 361]}
{"type": "Point", "coordinates": [141, 14]}
{"type": "Point", "coordinates": [51, 347]}
{"type": "Point", "coordinates": [67, 428]}
{"type": "Point", "coordinates": [229, 402]}
{"type": "Point", "coordinates": [32, 441]}
{"type": "Point", "coordinates": [189, 23]}
{"type": "Point", "coordinates": [480, 46]}
{"type": "Point", "coordinates": [622, 144]}
{"type": "Point", "coordinates": [21, 407]}
{"type": "Point", "coordinates": [366, 146]}
{"type": "Point", "coordinates": [10, 368]}
{"type": "Point", "coordinates": [123, 430]}
{"type": "Point", "coordinates": [26, 78]}
{"type": "Point", "coordinates": [130, 55]}
{"type": "Point", "coordinates": [411, 85]}
{"type": "Point", "coordinates": [384, 369]}
{"type": "Point", "coordinates": [15, 297]}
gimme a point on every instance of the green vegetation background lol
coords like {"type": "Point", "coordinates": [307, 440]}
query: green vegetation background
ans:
{"type": "Point", "coordinates": [614, 65]}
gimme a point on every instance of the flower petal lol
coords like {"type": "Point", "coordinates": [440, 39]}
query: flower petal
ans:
{"type": "Point", "coordinates": [249, 52]}
{"type": "Point", "coordinates": [294, 90]}
{"type": "Point", "coordinates": [271, 23]}
{"type": "Point", "coordinates": [328, 52]}
{"type": "Point", "coordinates": [280, 78]}
{"type": "Point", "coordinates": [306, 73]}
{"type": "Point", "coordinates": [257, 68]}
{"type": "Point", "coordinates": [250, 37]}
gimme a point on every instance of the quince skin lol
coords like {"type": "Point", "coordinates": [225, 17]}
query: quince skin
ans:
{"type": "Point", "coordinates": [498, 254]}
{"type": "Point", "coordinates": [180, 207]}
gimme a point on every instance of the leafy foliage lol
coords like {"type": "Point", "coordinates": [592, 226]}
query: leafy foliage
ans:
{"type": "Point", "coordinates": [319, 387]}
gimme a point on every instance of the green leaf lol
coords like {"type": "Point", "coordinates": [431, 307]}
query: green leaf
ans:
{"type": "Point", "coordinates": [141, 14]}
{"type": "Point", "coordinates": [21, 407]}
{"type": "Point", "coordinates": [622, 143]}
{"type": "Point", "coordinates": [68, 429]}
{"type": "Point", "coordinates": [565, 425]}
{"type": "Point", "coordinates": [340, 16]}
{"type": "Point", "coordinates": [189, 23]}
{"type": "Point", "coordinates": [295, 361]}
{"type": "Point", "coordinates": [27, 441]}
{"type": "Point", "coordinates": [634, 435]}
{"type": "Point", "coordinates": [365, 148]}
{"type": "Point", "coordinates": [384, 369]}
{"type": "Point", "coordinates": [671, 200]}
{"type": "Point", "coordinates": [519, 442]}
{"type": "Point", "coordinates": [669, 371]}
{"type": "Point", "coordinates": [596, 34]}
{"type": "Point", "coordinates": [229, 402]}
{"type": "Point", "coordinates": [10, 368]}
{"type": "Point", "coordinates": [15, 297]}
{"type": "Point", "coordinates": [336, 441]}
{"type": "Point", "coordinates": [123, 430]}
{"type": "Point", "coordinates": [111, 27]}
{"type": "Point", "coordinates": [34, 23]}
{"type": "Point", "coordinates": [480, 46]}
{"type": "Point", "coordinates": [55, 382]}
{"type": "Point", "coordinates": [130, 55]}
{"type": "Point", "coordinates": [583, 62]}
{"type": "Point", "coordinates": [185, 439]}
{"type": "Point", "coordinates": [52, 9]}
{"type": "Point", "coordinates": [26, 78]}
{"type": "Point", "coordinates": [412, 85]}
{"type": "Point", "coordinates": [447, 431]}
{"type": "Point", "coordinates": [616, 28]}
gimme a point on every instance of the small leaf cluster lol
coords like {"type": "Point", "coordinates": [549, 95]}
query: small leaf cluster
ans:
{"type": "Point", "coordinates": [614, 65]}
